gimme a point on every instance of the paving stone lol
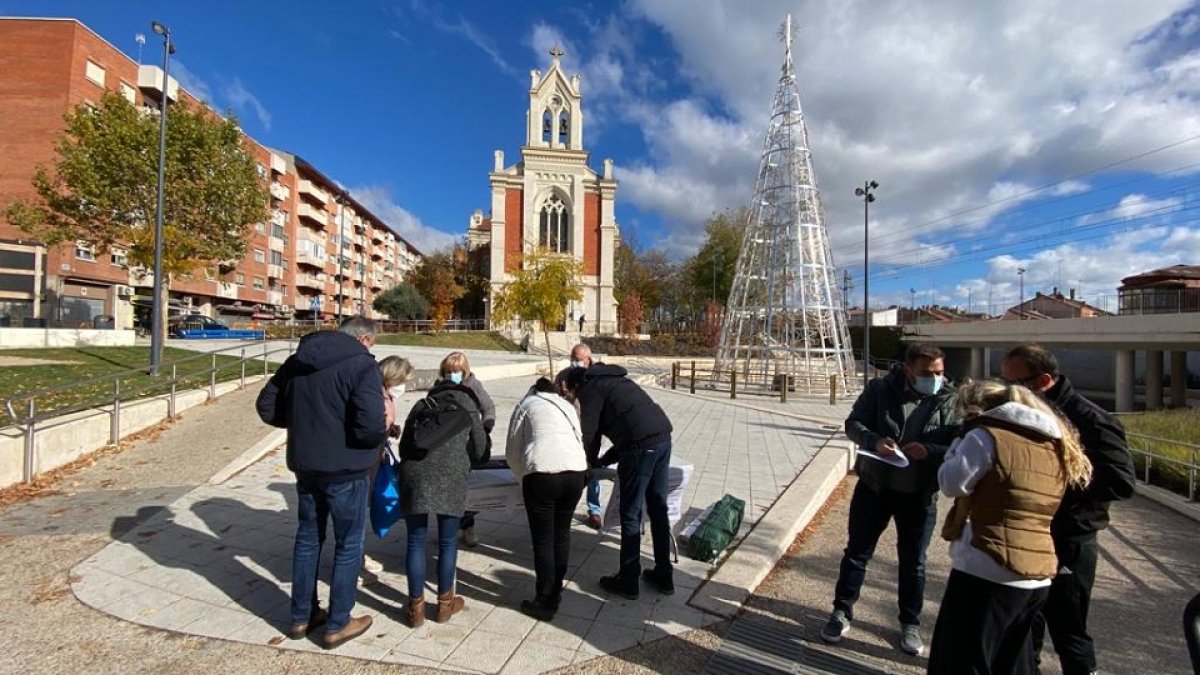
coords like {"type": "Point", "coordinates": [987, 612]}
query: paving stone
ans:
{"type": "Point", "coordinates": [484, 651]}
{"type": "Point", "coordinates": [534, 657]}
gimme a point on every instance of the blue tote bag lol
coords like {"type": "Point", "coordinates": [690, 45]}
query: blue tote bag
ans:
{"type": "Point", "coordinates": [385, 496]}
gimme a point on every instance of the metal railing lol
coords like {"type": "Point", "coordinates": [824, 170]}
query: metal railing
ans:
{"type": "Point", "coordinates": [296, 328]}
{"type": "Point", "coordinates": [143, 387]}
{"type": "Point", "coordinates": [703, 375]}
{"type": "Point", "coordinates": [1155, 463]}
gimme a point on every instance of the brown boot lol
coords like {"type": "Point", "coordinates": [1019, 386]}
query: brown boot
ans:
{"type": "Point", "coordinates": [449, 604]}
{"type": "Point", "coordinates": [416, 611]}
{"type": "Point", "coordinates": [354, 627]}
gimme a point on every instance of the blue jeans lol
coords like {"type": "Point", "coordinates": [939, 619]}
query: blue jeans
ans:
{"type": "Point", "coordinates": [593, 498]}
{"type": "Point", "coordinates": [642, 479]}
{"type": "Point", "coordinates": [414, 558]}
{"type": "Point", "coordinates": [870, 513]}
{"type": "Point", "coordinates": [344, 503]}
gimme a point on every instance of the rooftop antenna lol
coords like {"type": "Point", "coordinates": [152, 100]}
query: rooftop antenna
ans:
{"type": "Point", "coordinates": [140, 39]}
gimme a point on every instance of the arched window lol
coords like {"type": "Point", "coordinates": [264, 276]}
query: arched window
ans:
{"type": "Point", "coordinates": [547, 127]}
{"type": "Point", "coordinates": [554, 232]}
{"type": "Point", "coordinates": [564, 128]}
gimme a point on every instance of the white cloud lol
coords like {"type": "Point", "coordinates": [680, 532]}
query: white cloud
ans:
{"type": "Point", "coordinates": [1137, 206]}
{"type": "Point", "coordinates": [464, 29]}
{"type": "Point", "coordinates": [379, 200]}
{"type": "Point", "coordinates": [240, 98]}
{"type": "Point", "coordinates": [194, 85]}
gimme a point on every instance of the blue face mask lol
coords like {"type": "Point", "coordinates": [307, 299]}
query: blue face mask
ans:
{"type": "Point", "coordinates": [928, 386]}
{"type": "Point", "coordinates": [456, 377]}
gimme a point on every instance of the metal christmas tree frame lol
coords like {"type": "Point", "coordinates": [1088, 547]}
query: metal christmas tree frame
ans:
{"type": "Point", "coordinates": [785, 316]}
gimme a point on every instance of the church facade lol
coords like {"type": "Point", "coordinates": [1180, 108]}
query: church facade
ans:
{"type": "Point", "coordinates": [552, 199]}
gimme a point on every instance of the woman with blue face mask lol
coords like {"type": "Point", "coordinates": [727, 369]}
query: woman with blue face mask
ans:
{"type": "Point", "coordinates": [456, 369]}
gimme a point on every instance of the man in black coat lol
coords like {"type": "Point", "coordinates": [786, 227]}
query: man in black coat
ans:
{"type": "Point", "coordinates": [329, 396]}
{"type": "Point", "coordinates": [1083, 512]}
{"type": "Point", "coordinates": [612, 405]}
{"type": "Point", "coordinates": [908, 413]}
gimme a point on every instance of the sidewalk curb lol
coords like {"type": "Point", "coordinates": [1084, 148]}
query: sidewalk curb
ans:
{"type": "Point", "coordinates": [266, 444]}
{"type": "Point", "coordinates": [1168, 499]}
{"type": "Point", "coordinates": [736, 579]}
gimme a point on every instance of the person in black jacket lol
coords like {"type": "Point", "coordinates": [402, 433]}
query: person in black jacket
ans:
{"type": "Point", "coordinates": [612, 405]}
{"type": "Point", "coordinates": [910, 412]}
{"type": "Point", "coordinates": [1083, 512]}
{"type": "Point", "coordinates": [329, 396]}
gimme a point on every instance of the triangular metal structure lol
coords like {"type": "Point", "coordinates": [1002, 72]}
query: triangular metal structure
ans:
{"type": "Point", "coordinates": [785, 314]}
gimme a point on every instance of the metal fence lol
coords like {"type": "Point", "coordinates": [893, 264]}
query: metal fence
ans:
{"type": "Point", "coordinates": [282, 330]}
{"type": "Point", "coordinates": [702, 375]}
{"type": "Point", "coordinates": [1166, 463]}
{"type": "Point", "coordinates": [135, 384]}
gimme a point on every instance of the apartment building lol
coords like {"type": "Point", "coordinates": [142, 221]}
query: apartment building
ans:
{"type": "Point", "coordinates": [300, 263]}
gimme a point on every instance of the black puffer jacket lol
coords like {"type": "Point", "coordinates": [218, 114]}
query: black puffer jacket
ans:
{"type": "Point", "coordinates": [329, 396]}
{"type": "Point", "coordinates": [613, 405]}
{"type": "Point", "coordinates": [1086, 510]}
{"type": "Point", "coordinates": [890, 409]}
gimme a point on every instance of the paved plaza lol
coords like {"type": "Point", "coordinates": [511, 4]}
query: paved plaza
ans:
{"type": "Point", "coordinates": [215, 562]}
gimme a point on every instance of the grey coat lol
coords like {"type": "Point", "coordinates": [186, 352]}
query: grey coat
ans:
{"type": "Point", "coordinates": [437, 484]}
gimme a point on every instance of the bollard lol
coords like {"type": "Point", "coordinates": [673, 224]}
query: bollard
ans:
{"type": "Point", "coordinates": [264, 360]}
{"type": "Point", "coordinates": [114, 427]}
{"type": "Point", "coordinates": [833, 390]}
{"type": "Point", "coordinates": [733, 384]}
{"type": "Point", "coordinates": [171, 401]}
{"type": "Point", "coordinates": [242, 380]}
{"type": "Point", "coordinates": [30, 459]}
{"type": "Point", "coordinates": [212, 379]}
{"type": "Point", "coordinates": [674, 374]}
{"type": "Point", "coordinates": [783, 387]}
{"type": "Point", "coordinates": [692, 383]}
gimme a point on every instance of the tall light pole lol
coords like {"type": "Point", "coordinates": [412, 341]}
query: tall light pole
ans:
{"type": "Point", "coordinates": [1020, 305]}
{"type": "Point", "coordinates": [867, 197]}
{"type": "Point", "coordinates": [157, 309]}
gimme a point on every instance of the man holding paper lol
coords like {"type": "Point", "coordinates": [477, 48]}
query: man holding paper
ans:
{"type": "Point", "coordinates": [902, 423]}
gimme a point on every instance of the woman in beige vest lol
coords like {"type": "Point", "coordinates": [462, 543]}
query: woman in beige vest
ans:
{"type": "Point", "coordinates": [1007, 473]}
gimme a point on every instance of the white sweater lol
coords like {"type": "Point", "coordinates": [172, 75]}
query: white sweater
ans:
{"type": "Point", "coordinates": [967, 461]}
{"type": "Point", "coordinates": [544, 437]}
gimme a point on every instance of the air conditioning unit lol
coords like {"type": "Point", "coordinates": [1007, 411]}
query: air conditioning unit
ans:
{"type": "Point", "coordinates": [187, 301]}
{"type": "Point", "coordinates": [124, 291]}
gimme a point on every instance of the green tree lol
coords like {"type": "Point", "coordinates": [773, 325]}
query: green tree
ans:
{"type": "Point", "coordinates": [540, 291]}
{"type": "Point", "coordinates": [103, 186]}
{"type": "Point", "coordinates": [402, 302]}
{"type": "Point", "coordinates": [710, 272]}
{"type": "Point", "coordinates": [437, 281]}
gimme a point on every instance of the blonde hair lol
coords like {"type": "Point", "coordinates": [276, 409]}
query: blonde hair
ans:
{"type": "Point", "coordinates": [976, 397]}
{"type": "Point", "coordinates": [395, 371]}
{"type": "Point", "coordinates": [455, 361]}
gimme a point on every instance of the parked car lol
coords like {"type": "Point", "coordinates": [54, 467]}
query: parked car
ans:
{"type": "Point", "coordinates": [200, 327]}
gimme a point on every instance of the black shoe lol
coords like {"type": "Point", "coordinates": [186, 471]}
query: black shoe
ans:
{"type": "Point", "coordinates": [538, 610]}
{"type": "Point", "coordinates": [660, 582]}
{"type": "Point", "coordinates": [618, 585]}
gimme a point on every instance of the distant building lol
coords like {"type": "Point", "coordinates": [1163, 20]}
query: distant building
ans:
{"type": "Point", "coordinates": [1169, 290]}
{"type": "Point", "coordinates": [939, 314]}
{"type": "Point", "coordinates": [879, 317]}
{"type": "Point", "coordinates": [552, 199]}
{"type": "Point", "coordinates": [1053, 306]}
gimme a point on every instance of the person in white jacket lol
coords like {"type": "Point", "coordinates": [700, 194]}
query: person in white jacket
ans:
{"type": "Point", "coordinates": [545, 452]}
{"type": "Point", "coordinates": [1007, 473]}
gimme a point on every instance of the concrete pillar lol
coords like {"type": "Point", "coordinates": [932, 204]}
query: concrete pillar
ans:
{"type": "Point", "coordinates": [1154, 379]}
{"type": "Point", "coordinates": [1124, 371]}
{"type": "Point", "coordinates": [977, 368]}
{"type": "Point", "coordinates": [1178, 379]}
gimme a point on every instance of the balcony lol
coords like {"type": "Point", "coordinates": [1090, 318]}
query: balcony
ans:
{"type": "Point", "coordinates": [360, 241]}
{"type": "Point", "coordinates": [312, 214]}
{"type": "Point", "coordinates": [313, 281]}
{"type": "Point", "coordinates": [306, 256]}
{"type": "Point", "coordinates": [377, 235]}
{"type": "Point", "coordinates": [278, 218]}
{"type": "Point", "coordinates": [377, 254]}
{"type": "Point", "coordinates": [307, 188]}
{"type": "Point", "coordinates": [275, 297]}
{"type": "Point", "coordinates": [277, 244]}
{"type": "Point", "coordinates": [150, 81]}
{"type": "Point", "coordinates": [275, 271]}
{"type": "Point", "coordinates": [227, 290]}
{"type": "Point", "coordinates": [278, 163]}
{"type": "Point", "coordinates": [280, 191]}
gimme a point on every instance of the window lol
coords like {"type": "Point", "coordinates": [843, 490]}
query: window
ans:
{"type": "Point", "coordinates": [94, 72]}
{"type": "Point", "coordinates": [277, 231]}
{"type": "Point", "coordinates": [240, 279]}
{"type": "Point", "coordinates": [262, 170]}
{"type": "Point", "coordinates": [118, 257]}
{"type": "Point", "coordinates": [83, 251]}
{"type": "Point", "coordinates": [258, 283]}
{"type": "Point", "coordinates": [260, 228]}
{"type": "Point", "coordinates": [128, 92]}
{"type": "Point", "coordinates": [277, 258]}
{"type": "Point", "coordinates": [259, 256]}
{"type": "Point", "coordinates": [555, 225]}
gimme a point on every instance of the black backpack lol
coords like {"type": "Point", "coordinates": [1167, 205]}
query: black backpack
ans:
{"type": "Point", "coordinates": [432, 422]}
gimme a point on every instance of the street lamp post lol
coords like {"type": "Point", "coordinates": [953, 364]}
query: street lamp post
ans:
{"type": "Point", "coordinates": [157, 310]}
{"type": "Point", "coordinates": [1021, 304]}
{"type": "Point", "coordinates": [867, 197]}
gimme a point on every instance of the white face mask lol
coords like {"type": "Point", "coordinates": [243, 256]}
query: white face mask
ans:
{"type": "Point", "coordinates": [397, 391]}
{"type": "Point", "coordinates": [578, 364]}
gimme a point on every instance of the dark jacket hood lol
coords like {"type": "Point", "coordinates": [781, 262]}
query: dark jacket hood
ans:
{"type": "Point", "coordinates": [605, 370]}
{"type": "Point", "coordinates": [327, 348]}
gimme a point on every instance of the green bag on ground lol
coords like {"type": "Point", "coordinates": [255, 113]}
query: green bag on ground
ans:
{"type": "Point", "coordinates": [717, 530]}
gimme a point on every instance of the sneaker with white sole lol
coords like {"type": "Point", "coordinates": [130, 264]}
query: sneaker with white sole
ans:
{"type": "Point", "coordinates": [836, 628]}
{"type": "Point", "coordinates": [910, 639]}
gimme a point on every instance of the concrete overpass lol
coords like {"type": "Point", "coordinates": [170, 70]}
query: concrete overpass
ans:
{"type": "Point", "coordinates": [1176, 334]}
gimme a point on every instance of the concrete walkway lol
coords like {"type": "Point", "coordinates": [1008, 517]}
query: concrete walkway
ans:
{"type": "Point", "coordinates": [216, 561]}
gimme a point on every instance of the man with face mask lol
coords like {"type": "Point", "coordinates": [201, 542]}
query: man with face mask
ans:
{"type": "Point", "coordinates": [909, 411]}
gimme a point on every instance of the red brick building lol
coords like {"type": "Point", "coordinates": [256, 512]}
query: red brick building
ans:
{"type": "Point", "coordinates": [292, 265]}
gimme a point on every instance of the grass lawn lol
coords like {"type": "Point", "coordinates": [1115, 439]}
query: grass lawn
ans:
{"type": "Point", "coordinates": [455, 340]}
{"type": "Point", "coordinates": [26, 370]}
{"type": "Point", "coordinates": [1177, 425]}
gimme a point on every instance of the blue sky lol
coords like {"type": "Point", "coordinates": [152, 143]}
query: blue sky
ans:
{"type": "Point", "coordinates": [1055, 136]}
